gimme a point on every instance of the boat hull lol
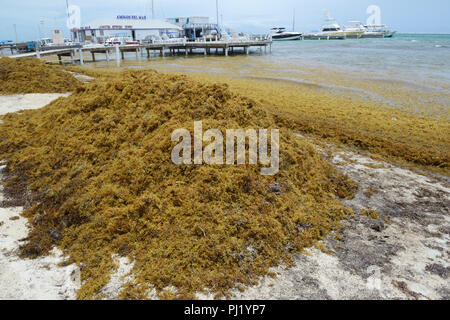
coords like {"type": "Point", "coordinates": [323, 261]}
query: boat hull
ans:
{"type": "Point", "coordinates": [373, 35]}
{"type": "Point", "coordinates": [340, 35]}
{"type": "Point", "coordinates": [286, 36]}
{"type": "Point", "coordinates": [322, 37]}
{"type": "Point", "coordinates": [389, 34]}
{"type": "Point", "coordinates": [292, 38]}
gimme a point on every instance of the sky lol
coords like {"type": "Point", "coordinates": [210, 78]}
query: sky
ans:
{"type": "Point", "coordinates": [254, 16]}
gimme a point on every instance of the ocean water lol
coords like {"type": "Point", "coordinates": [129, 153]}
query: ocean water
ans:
{"type": "Point", "coordinates": [407, 56]}
{"type": "Point", "coordinates": [412, 58]}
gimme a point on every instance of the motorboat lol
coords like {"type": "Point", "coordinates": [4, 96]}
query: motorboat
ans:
{"type": "Point", "coordinates": [280, 34]}
{"type": "Point", "coordinates": [332, 29]}
{"type": "Point", "coordinates": [358, 30]}
{"type": "Point", "coordinates": [369, 31]}
{"type": "Point", "coordinates": [45, 42]}
{"type": "Point", "coordinates": [382, 29]}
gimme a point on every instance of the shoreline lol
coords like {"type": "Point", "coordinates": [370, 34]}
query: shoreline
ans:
{"type": "Point", "coordinates": [423, 97]}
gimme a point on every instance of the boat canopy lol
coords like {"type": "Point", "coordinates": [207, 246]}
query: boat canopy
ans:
{"type": "Point", "coordinates": [331, 27]}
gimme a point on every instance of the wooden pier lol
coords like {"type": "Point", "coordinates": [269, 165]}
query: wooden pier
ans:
{"type": "Point", "coordinates": [117, 52]}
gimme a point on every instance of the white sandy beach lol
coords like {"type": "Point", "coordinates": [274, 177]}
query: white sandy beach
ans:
{"type": "Point", "coordinates": [17, 102]}
{"type": "Point", "coordinates": [24, 278]}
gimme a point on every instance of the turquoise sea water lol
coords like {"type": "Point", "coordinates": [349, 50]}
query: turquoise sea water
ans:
{"type": "Point", "coordinates": [408, 56]}
{"type": "Point", "coordinates": [425, 57]}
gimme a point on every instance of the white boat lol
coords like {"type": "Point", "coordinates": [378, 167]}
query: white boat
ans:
{"type": "Point", "coordinates": [356, 30]}
{"type": "Point", "coordinates": [120, 41]}
{"type": "Point", "coordinates": [380, 29]}
{"type": "Point", "coordinates": [280, 34]}
{"type": "Point", "coordinates": [370, 31]}
{"type": "Point", "coordinates": [45, 42]}
{"type": "Point", "coordinates": [332, 29]}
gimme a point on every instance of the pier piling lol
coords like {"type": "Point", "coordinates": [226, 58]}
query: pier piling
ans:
{"type": "Point", "coordinates": [117, 55]}
{"type": "Point", "coordinates": [81, 56]}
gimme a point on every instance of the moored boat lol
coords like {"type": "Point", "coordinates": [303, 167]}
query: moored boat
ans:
{"type": "Point", "coordinates": [280, 34]}
{"type": "Point", "coordinates": [332, 30]}
{"type": "Point", "coordinates": [382, 29]}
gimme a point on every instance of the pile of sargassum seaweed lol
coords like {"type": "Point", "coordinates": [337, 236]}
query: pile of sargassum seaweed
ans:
{"type": "Point", "coordinates": [27, 75]}
{"type": "Point", "coordinates": [96, 173]}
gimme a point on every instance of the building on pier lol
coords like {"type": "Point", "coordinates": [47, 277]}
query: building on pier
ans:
{"type": "Point", "coordinates": [136, 28]}
{"type": "Point", "coordinates": [196, 27]}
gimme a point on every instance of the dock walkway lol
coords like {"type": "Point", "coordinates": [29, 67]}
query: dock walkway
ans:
{"type": "Point", "coordinates": [185, 47]}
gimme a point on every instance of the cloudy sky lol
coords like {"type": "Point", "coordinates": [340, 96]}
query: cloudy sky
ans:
{"type": "Point", "coordinates": [257, 16]}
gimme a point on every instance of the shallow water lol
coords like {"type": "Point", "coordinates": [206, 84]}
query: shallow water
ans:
{"type": "Point", "coordinates": [424, 56]}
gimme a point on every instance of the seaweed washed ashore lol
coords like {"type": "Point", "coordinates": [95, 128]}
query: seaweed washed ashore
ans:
{"type": "Point", "coordinates": [95, 174]}
{"type": "Point", "coordinates": [29, 75]}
